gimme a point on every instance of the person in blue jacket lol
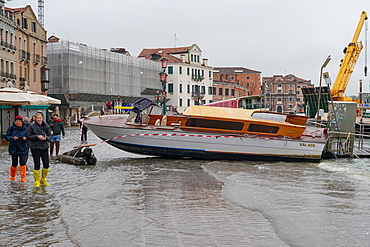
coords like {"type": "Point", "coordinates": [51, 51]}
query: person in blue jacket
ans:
{"type": "Point", "coordinates": [18, 148]}
{"type": "Point", "coordinates": [39, 135]}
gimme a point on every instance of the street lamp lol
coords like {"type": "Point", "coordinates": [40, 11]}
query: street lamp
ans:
{"type": "Point", "coordinates": [163, 79]}
{"type": "Point", "coordinates": [318, 103]}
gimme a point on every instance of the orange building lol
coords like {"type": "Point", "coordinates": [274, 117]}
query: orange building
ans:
{"type": "Point", "coordinates": [231, 82]}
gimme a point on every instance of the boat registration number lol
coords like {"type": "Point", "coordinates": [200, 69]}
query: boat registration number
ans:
{"type": "Point", "coordinates": [310, 145]}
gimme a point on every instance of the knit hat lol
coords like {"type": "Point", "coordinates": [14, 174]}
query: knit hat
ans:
{"type": "Point", "coordinates": [18, 118]}
{"type": "Point", "coordinates": [39, 113]}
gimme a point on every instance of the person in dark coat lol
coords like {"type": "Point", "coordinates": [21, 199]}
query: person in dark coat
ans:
{"type": "Point", "coordinates": [57, 127]}
{"type": "Point", "coordinates": [83, 128]}
{"type": "Point", "coordinates": [18, 148]}
{"type": "Point", "coordinates": [26, 122]}
{"type": "Point", "coordinates": [39, 135]}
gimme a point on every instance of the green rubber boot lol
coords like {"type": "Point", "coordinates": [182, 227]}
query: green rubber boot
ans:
{"type": "Point", "coordinates": [36, 176]}
{"type": "Point", "coordinates": [43, 180]}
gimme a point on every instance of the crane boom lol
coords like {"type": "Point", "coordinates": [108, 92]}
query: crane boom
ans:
{"type": "Point", "coordinates": [351, 55]}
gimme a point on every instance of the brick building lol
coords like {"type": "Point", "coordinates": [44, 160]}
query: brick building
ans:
{"type": "Point", "coordinates": [283, 93]}
{"type": "Point", "coordinates": [231, 82]}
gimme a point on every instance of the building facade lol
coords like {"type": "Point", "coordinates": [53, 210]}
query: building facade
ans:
{"type": "Point", "coordinates": [231, 82]}
{"type": "Point", "coordinates": [283, 93]}
{"type": "Point", "coordinates": [190, 78]}
{"type": "Point", "coordinates": [29, 42]}
{"type": "Point", "coordinates": [83, 76]}
{"type": "Point", "coordinates": [8, 48]}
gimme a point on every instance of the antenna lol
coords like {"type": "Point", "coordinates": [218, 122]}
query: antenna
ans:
{"type": "Point", "coordinates": [41, 12]}
{"type": "Point", "coordinates": [175, 39]}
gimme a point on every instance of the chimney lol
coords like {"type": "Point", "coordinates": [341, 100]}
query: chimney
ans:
{"type": "Point", "coordinates": [182, 56]}
{"type": "Point", "coordinates": [205, 61]}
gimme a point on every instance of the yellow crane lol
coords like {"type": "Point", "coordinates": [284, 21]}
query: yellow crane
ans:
{"type": "Point", "coordinates": [351, 54]}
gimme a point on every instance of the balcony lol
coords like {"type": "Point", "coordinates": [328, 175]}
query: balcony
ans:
{"type": "Point", "coordinates": [197, 78]}
{"type": "Point", "coordinates": [22, 82]}
{"type": "Point", "coordinates": [197, 95]}
{"type": "Point", "coordinates": [36, 58]}
{"type": "Point", "coordinates": [44, 60]}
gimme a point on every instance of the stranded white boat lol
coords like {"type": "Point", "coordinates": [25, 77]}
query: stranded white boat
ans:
{"type": "Point", "coordinates": [214, 133]}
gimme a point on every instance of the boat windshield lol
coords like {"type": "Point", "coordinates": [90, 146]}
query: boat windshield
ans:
{"type": "Point", "coordinates": [269, 116]}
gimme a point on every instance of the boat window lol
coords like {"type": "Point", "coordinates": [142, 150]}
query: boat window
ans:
{"type": "Point", "coordinates": [214, 124]}
{"type": "Point", "coordinates": [269, 116]}
{"type": "Point", "coordinates": [263, 128]}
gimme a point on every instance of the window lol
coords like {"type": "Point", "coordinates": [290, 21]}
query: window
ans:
{"type": "Point", "coordinates": [297, 92]}
{"type": "Point", "coordinates": [247, 77]}
{"type": "Point", "coordinates": [209, 74]}
{"type": "Point", "coordinates": [248, 84]}
{"type": "Point", "coordinates": [210, 91]}
{"type": "Point", "coordinates": [180, 88]}
{"type": "Point", "coordinates": [188, 102]}
{"type": "Point", "coordinates": [214, 124]}
{"type": "Point", "coordinates": [279, 99]}
{"type": "Point", "coordinates": [290, 106]}
{"type": "Point", "coordinates": [298, 99]}
{"type": "Point", "coordinates": [188, 71]}
{"type": "Point", "coordinates": [290, 85]}
{"type": "Point", "coordinates": [263, 128]}
{"type": "Point", "coordinates": [25, 23]}
{"type": "Point", "coordinates": [220, 91]}
{"type": "Point", "coordinates": [34, 75]}
{"type": "Point", "coordinates": [233, 92]}
{"type": "Point", "coordinates": [34, 27]}
{"type": "Point", "coordinates": [226, 92]}
{"type": "Point", "coordinates": [290, 91]}
{"type": "Point", "coordinates": [180, 70]}
{"type": "Point", "coordinates": [170, 70]}
{"type": "Point", "coordinates": [214, 90]}
{"type": "Point", "coordinates": [232, 77]}
{"type": "Point", "coordinates": [170, 87]}
{"type": "Point", "coordinates": [291, 99]}
{"type": "Point", "coordinates": [279, 85]}
{"type": "Point", "coordinates": [203, 90]}
{"type": "Point", "coordinates": [180, 102]}
{"type": "Point", "coordinates": [191, 57]}
{"type": "Point", "coordinates": [188, 89]}
{"type": "Point", "coordinates": [279, 91]}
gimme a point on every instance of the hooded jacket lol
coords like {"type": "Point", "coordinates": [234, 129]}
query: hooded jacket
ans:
{"type": "Point", "coordinates": [34, 130]}
{"type": "Point", "coordinates": [19, 146]}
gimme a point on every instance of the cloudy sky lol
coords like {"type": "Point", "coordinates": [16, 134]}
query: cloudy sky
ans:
{"type": "Point", "coordinates": [271, 36]}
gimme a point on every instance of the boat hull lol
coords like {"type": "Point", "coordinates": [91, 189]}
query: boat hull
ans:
{"type": "Point", "coordinates": [177, 143]}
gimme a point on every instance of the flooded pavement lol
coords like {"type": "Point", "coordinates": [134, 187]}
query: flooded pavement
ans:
{"type": "Point", "coordinates": [132, 200]}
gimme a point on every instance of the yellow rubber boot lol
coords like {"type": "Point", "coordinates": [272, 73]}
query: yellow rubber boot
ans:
{"type": "Point", "coordinates": [23, 173]}
{"type": "Point", "coordinates": [36, 176]}
{"type": "Point", "coordinates": [13, 173]}
{"type": "Point", "coordinates": [43, 180]}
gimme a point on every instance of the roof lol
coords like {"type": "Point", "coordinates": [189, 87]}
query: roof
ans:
{"type": "Point", "coordinates": [16, 10]}
{"type": "Point", "coordinates": [219, 112]}
{"type": "Point", "coordinates": [156, 54]}
{"type": "Point", "coordinates": [234, 70]}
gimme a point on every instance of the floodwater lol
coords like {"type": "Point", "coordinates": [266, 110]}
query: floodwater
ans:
{"type": "Point", "coordinates": [132, 200]}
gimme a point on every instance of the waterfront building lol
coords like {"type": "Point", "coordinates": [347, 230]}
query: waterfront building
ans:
{"type": "Point", "coordinates": [283, 93]}
{"type": "Point", "coordinates": [86, 77]}
{"type": "Point", "coordinates": [7, 48]}
{"type": "Point", "coordinates": [231, 82]}
{"type": "Point", "coordinates": [28, 44]}
{"type": "Point", "coordinates": [190, 78]}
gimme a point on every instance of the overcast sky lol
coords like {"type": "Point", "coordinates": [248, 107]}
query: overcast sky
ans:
{"type": "Point", "coordinates": [275, 37]}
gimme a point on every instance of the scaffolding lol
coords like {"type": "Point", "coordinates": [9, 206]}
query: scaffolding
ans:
{"type": "Point", "coordinates": [77, 68]}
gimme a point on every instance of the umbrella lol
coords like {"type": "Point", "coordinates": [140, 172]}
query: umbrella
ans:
{"type": "Point", "coordinates": [13, 96]}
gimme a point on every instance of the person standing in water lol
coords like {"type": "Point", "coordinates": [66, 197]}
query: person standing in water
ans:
{"type": "Point", "coordinates": [18, 148]}
{"type": "Point", "coordinates": [39, 135]}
